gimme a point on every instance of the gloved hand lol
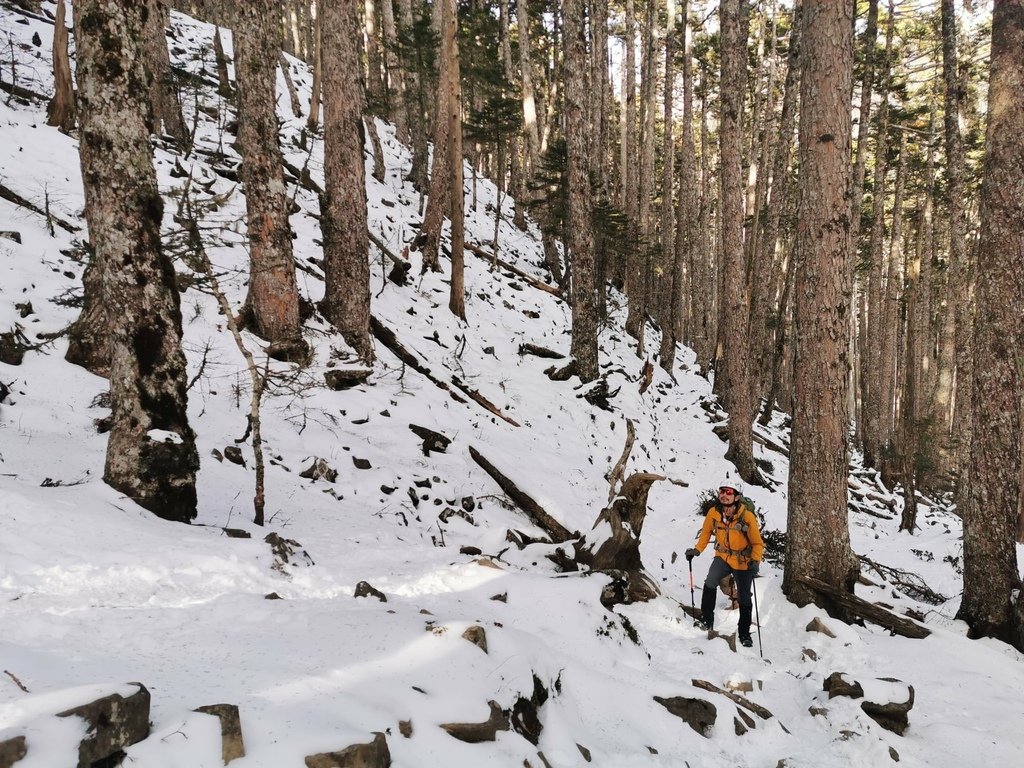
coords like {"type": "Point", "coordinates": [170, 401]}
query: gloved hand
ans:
{"type": "Point", "coordinates": [754, 567]}
{"type": "Point", "coordinates": [691, 553]}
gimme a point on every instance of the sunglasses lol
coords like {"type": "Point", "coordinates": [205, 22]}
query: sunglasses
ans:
{"type": "Point", "coordinates": [727, 491]}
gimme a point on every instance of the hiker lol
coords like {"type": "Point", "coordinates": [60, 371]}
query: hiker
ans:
{"type": "Point", "coordinates": [738, 550]}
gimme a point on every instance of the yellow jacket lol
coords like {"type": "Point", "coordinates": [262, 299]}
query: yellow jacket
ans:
{"type": "Point", "coordinates": [738, 541]}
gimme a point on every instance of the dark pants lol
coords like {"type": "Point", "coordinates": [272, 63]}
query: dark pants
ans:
{"type": "Point", "coordinates": [744, 582]}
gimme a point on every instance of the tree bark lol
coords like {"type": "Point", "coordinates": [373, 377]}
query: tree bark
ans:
{"type": "Point", "coordinates": [415, 101]}
{"type": "Point", "coordinates": [769, 277]}
{"type": "Point", "coordinates": [818, 544]}
{"type": "Point", "coordinates": [346, 302]}
{"type": "Point", "coordinates": [221, 62]}
{"type": "Point", "coordinates": [580, 234]}
{"type": "Point", "coordinates": [530, 126]}
{"type": "Point", "coordinates": [864, 409]}
{"type": "Point", "coordinates": [438, 203]}
{"type": "Point", "coordinates": [60, 112]}
{"type": "Point", "coordinates": [991, 500]}
{"type": "Point", "coordinates": [673, 265]}
{"type": "Point", "coordinates": [272, 304]}
{"type": "Point", "coordinates": [874, 404]}
{"type": "Point", "coordinates": [735, 368]}
{"type": "Point", "coordinates": [960, 269]}
{"type": "Point", "coordinates": [397, 103]}
{"type": "Point", "coordinates": [635, 259]}
{"type": "Point", "coordinates": [163, 94]}
{"type": "Point", "coordinates": [450, 54]}
{"type": "Point", "coordinates": [313, 119]}
{"type": "Point", "coordinates": [374, 73]}
{"type": "Point", "coordinates": [683, 304]}
{"type": "Point", "coordinates": [151, 452]}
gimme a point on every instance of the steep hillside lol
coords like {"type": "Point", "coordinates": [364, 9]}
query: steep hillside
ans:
{"type": "Point", "coordinates": [96, 592]}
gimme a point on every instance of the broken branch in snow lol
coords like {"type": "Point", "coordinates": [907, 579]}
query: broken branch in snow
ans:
{"type": "Point", "coordinates": [555, 529]}
{"type": "Point", "coordinates": [743, 701]}
{"type": "Point", "coordinates": [17, 682]}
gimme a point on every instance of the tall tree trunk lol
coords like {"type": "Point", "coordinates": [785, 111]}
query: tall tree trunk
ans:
{"type": "Point", "coordinates": [779, 356]}
{"type": "Point", "coordinates": [631, 186]}
{"type": "Point", "coordinates": [580, 234]}
{"type": "Point", "coordinates": [641, 294]}
{"type": "Point", "coordinates": [599, 82]}
{"type": "Point", "coordinates": [450, 54]}
{"type": "Point", "coordinates": [415, 103]}
{"type": "Point", "coordinates": [60, 112]}
{"type": "Point", "coordinates": [683, 311]}
{"type": "Point", "coordinates": [346, 302]}
{"type": "Point", "coordinates": [395, 77]}
{"type": "Point", "coordinates": [704, 243]}
{"type": "Point", "coordinates": [873, 403]}
{"type": "Point", "coordinates": [163, 95]}
{"type": "Point", "coordinates": [768, 280]}
{"type": "Point", "coordinates": [761, 109]}
{"type": "Point", "coordinates": [864, 121]}
{"type": "Point", "coordinates": [735, 364]}
{"type": "Point", "coordinates": [910, 442]}
{"type": "Point", "coordinates": [151, 451]}
{"type": "Point", "coordinates": [818, 543]}
{"type": "Point", "coordinates": [991, 502]}
{"type": "Point", "coordinates": [438, 203]}
{"type": "Point", "coordinates": [272, 305]}
{"type": "Point", "coordinates": [960, 270]}
{"type": "Point", "coordinates": [374, 73]}
{"type": "Point", "coordinates": [863, 406]}
{"type": "Point", "coordinates": [531, 128]}
{"type": "Point", "coordinates": [673, 266]}
{"type": "Point", "coordinates": [289, 82]}
{"type": "Point", "coordinates": [313, 120]}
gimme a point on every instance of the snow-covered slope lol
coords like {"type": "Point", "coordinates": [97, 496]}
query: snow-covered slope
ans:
{"type": "Point", "coordinates": [96, 592]}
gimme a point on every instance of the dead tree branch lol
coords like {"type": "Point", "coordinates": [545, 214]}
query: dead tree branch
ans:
{"type": "Point", "coordinates": [537, 513]}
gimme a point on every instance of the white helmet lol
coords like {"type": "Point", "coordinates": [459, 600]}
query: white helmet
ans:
{"type": "Point", "coordinates": [735, 485]}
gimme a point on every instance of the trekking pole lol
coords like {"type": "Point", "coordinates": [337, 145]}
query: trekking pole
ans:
{"type": "Point", "coordinates": [694, 607]}
{"type": "Point", "coordinates": [757, 615]}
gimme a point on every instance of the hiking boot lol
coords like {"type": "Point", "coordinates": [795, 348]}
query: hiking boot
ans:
{"type": "Point", "coordinates": [746, 641]}
{"type": "Point", "coordinates": [702, 624]}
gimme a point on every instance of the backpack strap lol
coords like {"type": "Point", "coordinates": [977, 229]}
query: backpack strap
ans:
{"type": "Point", "coordinates": [739, 525]}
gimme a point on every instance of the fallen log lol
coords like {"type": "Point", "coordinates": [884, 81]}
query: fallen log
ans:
{"type": "Point", "coordinates": [743, 701]}
{"type": "Point", "coordinates": [552, 289]}
{"type": "Point", "coordinates": [388, 338]}
{"type": "Point", "coordinates": [538, 351]}
{"type": "Point", "coordinates": [862, 609]}
{"type": "Point", "coordinates": [558, 532]}
{"type": "Point", "coordinates": [21, 92]}
{"type": "Point", "coordinates": [768, 442]}
{"type": "Point", "coordinates": [11, 196]}
{"type": "Point", "coordinates": [481, 400]}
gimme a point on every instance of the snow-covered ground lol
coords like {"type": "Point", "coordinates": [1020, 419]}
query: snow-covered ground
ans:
{"type": "Point", "coordinates": [96, 593]}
